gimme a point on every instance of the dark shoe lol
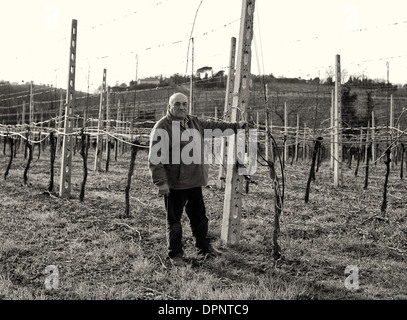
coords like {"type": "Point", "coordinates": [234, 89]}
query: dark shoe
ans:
{"type": "Point", "coordinates": [209, 251]}
{"type": "Point", "coordinates": [177, 261]}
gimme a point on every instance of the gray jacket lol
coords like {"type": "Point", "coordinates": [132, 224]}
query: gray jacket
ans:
{"type": "Point", "coordinates": [176, 174]}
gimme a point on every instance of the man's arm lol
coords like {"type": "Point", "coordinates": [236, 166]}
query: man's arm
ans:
{"type": "Point", "coordinates": [156, 165]}
{"type": "Point", "coordinates": [223, 125]}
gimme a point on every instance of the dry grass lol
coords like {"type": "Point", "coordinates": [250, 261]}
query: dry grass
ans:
{"type": "Point", "coordinates": [102, 256]}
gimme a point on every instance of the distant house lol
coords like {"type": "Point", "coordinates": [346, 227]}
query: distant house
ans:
{"type": "Point", "coordinates": [152, 80]}
{"type": "Point", "coordinates": [203, 72]}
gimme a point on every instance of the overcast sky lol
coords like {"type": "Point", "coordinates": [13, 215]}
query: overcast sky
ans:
{"type": "Point", "coordinates": [293, 38]}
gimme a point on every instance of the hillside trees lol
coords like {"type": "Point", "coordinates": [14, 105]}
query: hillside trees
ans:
{"type": "Point", "coordinates": [348, 100]}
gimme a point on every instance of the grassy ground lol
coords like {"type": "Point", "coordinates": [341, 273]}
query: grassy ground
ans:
{"type": "Point", "coordinates": [102, 256]}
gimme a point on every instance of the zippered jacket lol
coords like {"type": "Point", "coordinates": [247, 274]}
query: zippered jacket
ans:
{"type": "Point", "coordinates": [180, 164]}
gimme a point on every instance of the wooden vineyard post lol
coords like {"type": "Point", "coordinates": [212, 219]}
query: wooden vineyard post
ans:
{"type": "Point", "coordinates": [66, 156]}
{"type": "Point", "coordinates": [332, 130]}
{"type": "Point", "coordinates": [191, 84]}
{"type": "Point", "coordinates": [107, 130]}
{"type": "Point", "coordinates": [31, 112]}
{"type": "Point", "coordinates": [297, 138]}
{"type": "Point", "coordinates": [118, 130]}
{"type": "Point", "coordinates": [367, 143]}
{"type": "Point", "coordinates": [23, 121]}
{"type": "Point", "coordinates": [130, 129]}
{"type": "Point", "coordinates": [23, 115]}
{"type": "Point", "coordinates": [99, 139]}
{"type": "Point", "coordinates": [257, 119]}
{"type": "Point", "coordinates": [337, 128]}
{"type": "Point", "coordinates": [397, 146]}
{"type": "Point", "coordinates": [124, 134]}
{"type": "Point", "coordinates": [391, 132]}
{"type": "Point", "coordinates": [233, 189]}
{"type": "Point", "coordinates": [269, 129]}
{"type": "Point", "coordinates": [285, 134]}
{"type": "Point", "coordinates": [359, 151]}
{"type": "Point", "coordinates": [227, 109]}
{"type": "Point", "coordinates": [373, 137]}
{"type": "Point", "coordinates": [61, 105]}
{"type": "Point", "coordinates": [304, 145]}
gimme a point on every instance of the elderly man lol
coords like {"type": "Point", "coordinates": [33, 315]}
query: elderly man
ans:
{"type": "Point", "coordinates": [179, 179]}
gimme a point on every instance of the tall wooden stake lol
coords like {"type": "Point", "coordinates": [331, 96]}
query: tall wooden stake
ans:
{"type": "Point", "coordinates": [31, 112]}
{"type": "Point", "coordinates": [233, 203]}
{"type": "Point", "coordinates": [61, 110]}
{"type": "Point", "coordinates": [269, 129]}
{"type": "Point", "coordinates": [367, 143]}
{"type": "Point", "coordinates": [391, 131]}
{"type": "Point", "coordinates": [191, 89]}
{"type": "Point", "coordinates": [227, 109]}
{"type": "Point", "coordinates": [332, 129]}
{"type": "Point", "coordinates": [297, 138]}
{"type": "Point", "coordinates": [23, 121]}
{"type": "Point", "coordinates": [304, 145]}
{"type": "Point", "coordinates": [66, 157]}
{"type": "Point", "coordinates": [99, 139]}
{"type": "Point", "coordinates": [118, 130]}
{"type": "Point", "coordinates": [23, 115]}
{"type": "Point", "coordinates": [373, 137]}
{"type": "Point", "coordinates": [285, 133]}
{"type": "Point", "coordinates": [338, 180]}
{"type": "Point", "coordinates": [107, 128]}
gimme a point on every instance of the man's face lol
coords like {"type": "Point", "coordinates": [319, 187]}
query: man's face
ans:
{"type": "Point", "coordinates": [178, 106]}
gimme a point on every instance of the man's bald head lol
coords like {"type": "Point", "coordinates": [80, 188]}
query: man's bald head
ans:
{"type": "Point", "coordinates": [178, 105]}
{"type": "Point", "coordinates": [177, 97]}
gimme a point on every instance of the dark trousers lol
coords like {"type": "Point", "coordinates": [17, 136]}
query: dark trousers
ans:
{"type": "Point", "coordinates": [192, 201]}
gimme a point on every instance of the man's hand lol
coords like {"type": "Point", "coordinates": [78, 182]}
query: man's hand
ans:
{"type": "Point", "coordinates": [163, 190]}
{"type": "Point", "coordinates": [243, 125]}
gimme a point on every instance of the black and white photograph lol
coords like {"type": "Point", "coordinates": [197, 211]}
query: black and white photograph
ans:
{"type": "Point", "coordinates": [202, 158]}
